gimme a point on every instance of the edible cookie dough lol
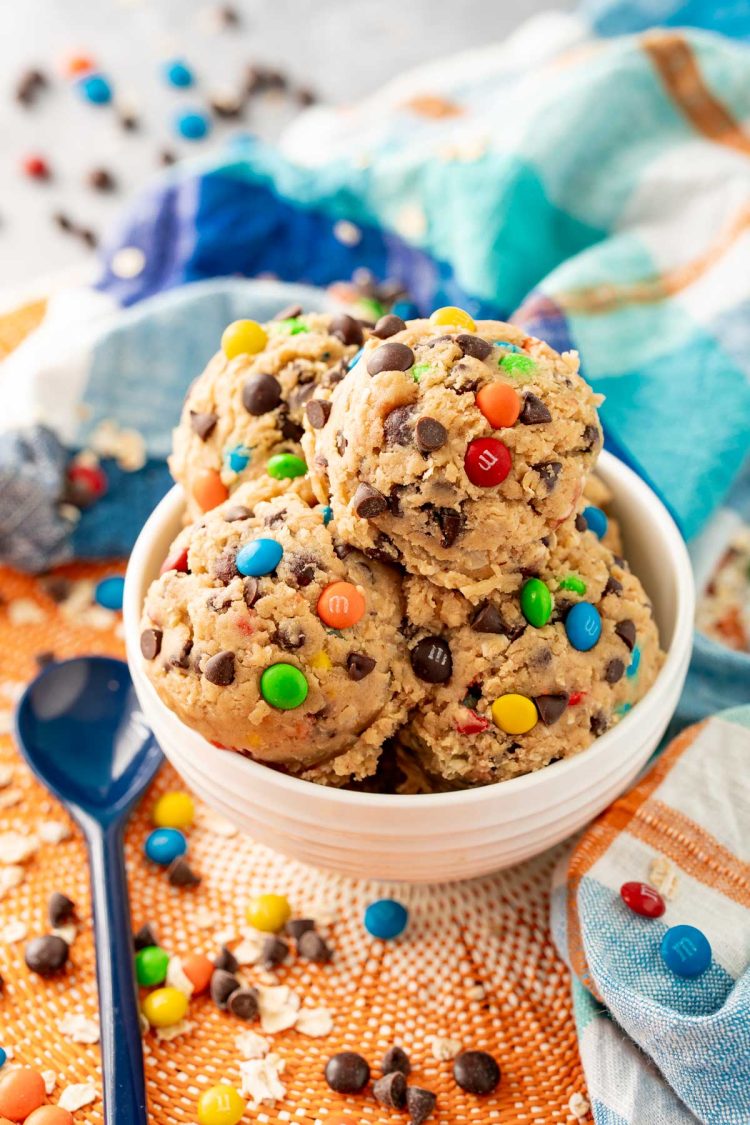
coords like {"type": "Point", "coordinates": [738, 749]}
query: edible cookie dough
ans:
{"type": "Point", "coordinates": [454, 448]}
{"type": "Point", "coordinates": [530, 676]}
{"type": "Point", "coordinates": [268, 635]}
{"type": "Point", "coordinates": [242, 418]}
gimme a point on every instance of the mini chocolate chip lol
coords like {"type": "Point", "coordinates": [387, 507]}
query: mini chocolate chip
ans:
{"type": "Point", "coordinates": [548, 471]}
{"type": "Point", "coordinates": [533, 411]}
{"type": "Point", "coordinates": [225, 566]}
{"type": "Point", "coordinates": [238, 512]}
{"type": "Point", "coordinates": [368, 502]}
{"type": "Point", "coordinates": [432, 661]}
{"type": "Point", "coordinates": [476, 1072]}
{"type": "Point", "coordinates": [226, 961]}
{"type": "Point", "coordinates": [420, 1103]}
{"type": "Point", "coordinates": [614, 671]}
{"type": "Point", "coordinates": [347, 329]}
{"type": "Point", "coordinates": [395, 493]}
{"type": "Point", "coordinates": [335, 374]}
{"type": "Point", "coordinates": [296, 927]}
{"type": "Point", "coordinates": [144, 938]}
{"type": "Point", "coordinates": [390, 1090]}
{"type": "Point", "coordinates": [289, 312]}
{"type": "Point", "coordinates": [151, 643]}
{"type": "Point", "coordinates": [341, 443]}
{"type": "Point", "coordinates": [487, 619]}
{"type": "Point", "coordinates": [397, 426]}
{"type": "Point", "coordinates": [251, 590]}
{"type": "Point", "coordinates": [223, 984]}
{"type": "Point", "coordinates": [302, 567]}
{"type": "Point", "coordinates": [390, 357]}
{"type": "Point", "coordinates": [450, 524]}
{"type": "Point", "coordinates": [589, 438]}
{"type": "Point", "coordinates": [626, 632]}
{"type": "Point", "coordinates": [621, 562]}
{"type": "Point", "coordinates": [244, 1004]}
{"type": "Point", "coordinates": [203, 424]}
{"type": "Point", "coordinates": [59, 909]}
{"type": "Point", "coordinates": [274, 951]}
{"type": "Point", "coordinates": [347, 1072]}
{"type": "Point", "coordinates": [318, 411]}
{"type": "Point", "coordinates": [260, 394]}
{"type": "Point", "coordinates": [291, 430]}
{"type": "Point", "coordinates": [430, 434]}
{"type": "Point", "coordinates": [46, 955]}
{"type": "Point", "coordinates": [358, 665]}
{"type": "Point", "coordinates": [581, 524]}
{"type": "Point", "coordinates": [289, 636]}
{"type": "Point", "coordinates": [181, 874]}
{"type": "Point", "coordinates": [462, 379]}
{"type": "Point", "coordinates": [312, 947]}
{"type": "Point", "coordinates": [101, 179]}
{"type": "Point", "coordinates": [613, 586]}
{"type": "Point", "coordinates": [551, 707]}
{"type": "Point", "coordinates": [396, 1060]}
{"type": "Point", "coordinates": [219, 669]}
{"type": "Point", "coordinates": [474, 346]}
{"type": "Point", "coordinates": [58, 588]}
{"type": "Point", "coordinates": [388, 326]}
{"type": "Point", "coordinates": [598, 723]}
{"type": "Point", "coordinates": [44, 658]}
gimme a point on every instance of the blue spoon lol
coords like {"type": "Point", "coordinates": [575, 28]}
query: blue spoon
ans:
{"type": "Point", "coordinates": [81, 730]}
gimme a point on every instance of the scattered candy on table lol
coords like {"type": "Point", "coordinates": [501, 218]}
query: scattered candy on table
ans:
{"type": "Point", "coordinates": [192, 125]}
{"type": "Point", "coordinates": [50, 1115]}
{"type": "Point", "coordinates": [175, 809]}
{"type": "Point", "coordinates": [476, 1072]}
{"type": "Point", "coordinates": [164, 845]}
{"type": "Point", "coordinates": [109, 592]}
{"type": "Point", "coordinates": [220, 1105]}
{"type": "Point", "coordinates": [3, 1057]}
{"type": "Point", "coordinates": [21, 1092]}
{"type": "Point", "coordinates": [386, 919]}
{"type": "Point", "coordinates": [36, 167]}
{"type": "Point", "coordinates": [686, 951]}
{"type": "Point", "coordinates": [177, 73]}
{"type": "Point", "coordinates": [643, 899]}
{"type": "Point", "coordinates": [151, 966]}
{"type": "Point", "coordinates": [198, 969]}
{"type": "Point", "coordinates": [268, 912]}
{"type": "Point", "coordinates": [165, 1007]}
{"type": "Point", "coordinates": [95, 88]}
{"type": "Point", "coordinates": [347, 1072]}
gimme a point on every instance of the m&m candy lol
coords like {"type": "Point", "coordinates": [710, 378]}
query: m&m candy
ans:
{"type": "Point", "coordinates": [3, 1057]}
{"type": "Point", "coordinates": [386, 919]}
{"type": "Point", "coordinates": [574, 583]}
{"type": "Point", "coordinates": [174, 810]}
{"type": "Point", "coordinates": [268, 912]}
{"type": "Point", "coordinates": [635, 662]}
{"type": "Point", "coordinates": [642, 899]}
{"type": "Point", "coordinates": [500, 404]}
{"type": "Point", "coordinates": [243, 337]}
{"type": "Point", "coordinates": [198, 969]}
{"type": "Point", "coordinates": [95, 88]}
{"type": "Point", "coordinates": [165, 1007]}
{"type": "Point", "coordinates": [220, 1105]}
{"type": "Point", "coordinates": [238, 458]}
{"type": "Point", "coordinates": [21, 1092]}
{"type": "Point", "coordinates": [341, 605]}
{"type": "Point", "coordinates": [514, 714]}
{"type": "Point", "coordinates": [164, 845]}
{"type": "Point", "coordinates": [178, 73]}
{"type": "Point", "coordinates": [209, 490]}
{"type": "Point", "coordinates": [583, 626]}
{"type": "Point", "coordinates": [596, 521]}
{"type": "Point", "coordinates": [487, 462]}
{"type": "Point", "coordinates": [176, 561]}
{"type": "Point", "coordinates": [36, 167]}
{"type": "Point", "coordinates": [450, 315]}
{"type": "Point", "coordinates": [283, 686]}
{"type": "Point", "coordinates": [151, 966]}
{"type": "Point", "coordinates": [285, 466]}
{"type": "Point", "coordinates": [259, 557]}
{"type": "Point", "coordinates": [536, 602]}
{"type": "Point", "coordinates": [686, 951]}
{"type": "Point", "coordinates": [517, 364]}
{"type": "Point", "coordinates": [108, 592]}
{"type": "Point", "coordinates": [50, 1115]}
{"type": "Point", "coordinates": [192, 125]}
{"type": "Point", "coordinates": [327, 513]}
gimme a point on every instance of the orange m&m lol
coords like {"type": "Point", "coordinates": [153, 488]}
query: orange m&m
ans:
{"type": "Point", "coordinates": [500, 404]}
{"type": "Point", "coordinates": [198, 969]}
{"type": "Point", "coordinates": [50, 1115]}
{"type": "Point", "coordinates": [209, 490]}
{"type": "Point", "coordinates": [341, 605]}
{"type": "Point", "coordinates": [21, 1092]}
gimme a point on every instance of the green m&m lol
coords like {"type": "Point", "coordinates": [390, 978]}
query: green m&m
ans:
{"type": "Point", "coordinates": [515, 364]}
{"type": "Point", "coordinates": [282, 466]}
{"type": "Point", "coordinates": [574, 583]}
{"type": "Point", "coordinates": [536, 602]}
{"type": "Point", "coordinates": [283, 686]}
{"type": "Point", "coordinates": [151, 966]}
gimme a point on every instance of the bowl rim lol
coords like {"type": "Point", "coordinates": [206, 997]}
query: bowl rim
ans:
{"type": "Point", "coordinates": [483, 795]}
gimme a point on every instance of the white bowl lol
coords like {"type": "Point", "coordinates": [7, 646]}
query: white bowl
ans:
{"type": "Point", "coordinates": [444, 836]}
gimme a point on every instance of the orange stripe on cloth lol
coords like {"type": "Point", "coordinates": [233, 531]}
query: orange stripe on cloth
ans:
{"type": "Point", "coordinates": [602, 834]}
{"type": "Point", "coordinates": [680, 74]}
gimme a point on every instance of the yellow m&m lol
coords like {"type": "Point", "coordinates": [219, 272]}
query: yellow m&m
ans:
{"type": "Point", "coordinates": [514, 714]}
{"type": "Point", "coordinates": [165, 1007]}
{"type": "Point", "coordinates": [243, 337]}
{"type": "Point", "coordinates": [269, 913]}
{"type": "Point", "coordinates": [174, 810]}
{"type": "Point", "coordinates": [220, 1105]}
{"type": "Point", "coordinates": [454, 318]}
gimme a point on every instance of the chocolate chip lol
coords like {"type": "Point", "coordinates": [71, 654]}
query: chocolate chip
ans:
{"type": "Point", "coordinates": [203, 424]}
{"type": "Point", "coordinates": [614, 671]}
{"type": "Point", "coordinates": [341, 443]}
{"type": "Point", "coordinates": [548, 471]}
{"type": "Point", "coordinates": [432, 661]}
{"type": "Point", "coordinates": [244, 1004]}
{"type": "Point", "coordinates": [551, 707]}
{"type": "Point", "coordinates": [347, 1072]}
{"type": "Point", "coordinates": [100, 179]}
{"type": "Point", "coordinates": [368, 502]}
{"type": "Point", "coordinates": [626, 632]}
{"type": "Point", "coordinates": [533, 411]}
{"type": "Point", "coordinates": [302, 567]}
{"type": "Point", "coordinates": [59, 909]}
{"type": "Point", "coordinates": [223, 984]}
{"type": "Point", "coordinates": [430, 434]}
{"type": "Point", "coordinates": [390, 1090]}
{"type": "Point", "coordinates": [335, 374]}
{"type": "Point", "coordinates": [238, 512]}
{"type": "Point", "coordinates": [476, 1072]}
{"type": "Point", "coordinates": [358, 665]}
{"type": "Point", "coordinates": [44, 658]}
{"type": "Point", "coordinates": [621, 562]}
{"type": "Point", "coordinates": [260, 394]}
{"type": "Point", "coordinates": [395, 493]}
{"type": "Point", "coordinates": [291, 430]}
{"type": "Point", "coordinates": [462, 379]}
{"type": "Point", "coordinates": [487, 619]}
{"type": "Point", "coordinates": [348, 330]}
{"type": "Point", "coordinates": [589, 438]}
{"type": "Point", "coordinates": [289, 312]}
{"type": "Point", "coordinates": [613, 586]}
{"type": "Point", "coordinates": [130, 121]}
{"type": "Point", "coordinates": [296, 927]}
{"type": "Point", "coordinates": [251, 591]}
{"type": "Point", "coordinates": [581, 524]}
{"type": "Point", "coordinates": [151, 643]}
{"type": "Point", "coordinates": [318, 412]}
{"type": "Point", "coordinates": [289, 636]}
{"type": "Point", "coordinates": [28, 87]}
{"type": "Point", "coordinates": [144, 938]}
{"type": "Point", "coordinates": [388, 325]}
{"type": "Point", "coordinates": [341, 550]}
{"type": "Point", "coordinates": [181, 874]}
{"type": "Point", "coordinates": [274, 951]}
{"type": "Point", "coordinates": [420, 1104]}
{"type": "Point", "coordinates": [312, 947]}
{"type": "Point", "coordinates": [226, 961]}
{"type": "Point", "coordinates": [396, 1060]}
{"type": "Point", "coordinates": [397, 426]}
{"type": "Point", "coordinates": [598, 723]}
{"type": "Point", "coordinates": [46, 955]}
{"type": "Point", "coordinates": [225, 566]}
{"type": "Point", "coordinates": [181, 658]}
{"type": "Point", "coordinates": [390, 357]}
{"type": "Point", "coordinates": [58, 588]}
{"type": "Point", "coordinates": [219, 669]}
{"type": "Point", "coordinates": [474, 346]}
{"type": "Point", "coordinates": [450, 524]}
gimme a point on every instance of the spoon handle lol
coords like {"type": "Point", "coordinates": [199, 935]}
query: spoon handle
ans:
{"type": "Point", "coordinates": [122, 1051]}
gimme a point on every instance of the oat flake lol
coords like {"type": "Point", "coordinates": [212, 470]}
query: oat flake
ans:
{"type": "Point", "coordinates": [77, 1096]}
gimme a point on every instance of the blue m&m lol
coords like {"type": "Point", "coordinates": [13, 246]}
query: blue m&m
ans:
{"type": "Point", "coordinates": [164, 845]}
{"type": "Point", "coordinates": [192, 125]}
{"type": "Point", "coordinates": [583, 626]}
{"type": "Point", "coordinates": [386, 919]}
{"type": "Point", "coordinates": [238, 458]}
{"type": "Point", "coordinates": [635, 662]}
{"type": "Point", "coordinates": [3, 1057]}
{"type": "Point", "coordinates": [178, 73]}
{"type": "Point", "coordinates": [596, 521]}
{"type": "Point", "coordinates": [108, 592]}
{"type": "Point", "coordinates": [95, 88]}
{"type": "Point", "coordinates": [327, 512]}
{"type": "Point", "coordinates": [259, 557]}
{"type": "Point", "coordinates": [686, 951]}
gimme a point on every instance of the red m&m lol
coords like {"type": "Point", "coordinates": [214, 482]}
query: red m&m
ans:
{"type": "Point", "coordinates": [643, 899]}
{"type": "Point", "coordinates": [176, 561]}
{"type": "Point", "coordinates": [487, 462]}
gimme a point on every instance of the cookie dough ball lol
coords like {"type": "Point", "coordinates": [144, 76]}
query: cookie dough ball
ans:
{"type": "Point", "coordinates": [531, 677]}
{"type": "Point", "coordinates": [455, 448]}
{"type": "Point", "coordinates": [242, 418]}
{"type": "Point", "coordinates": [269, 636]}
